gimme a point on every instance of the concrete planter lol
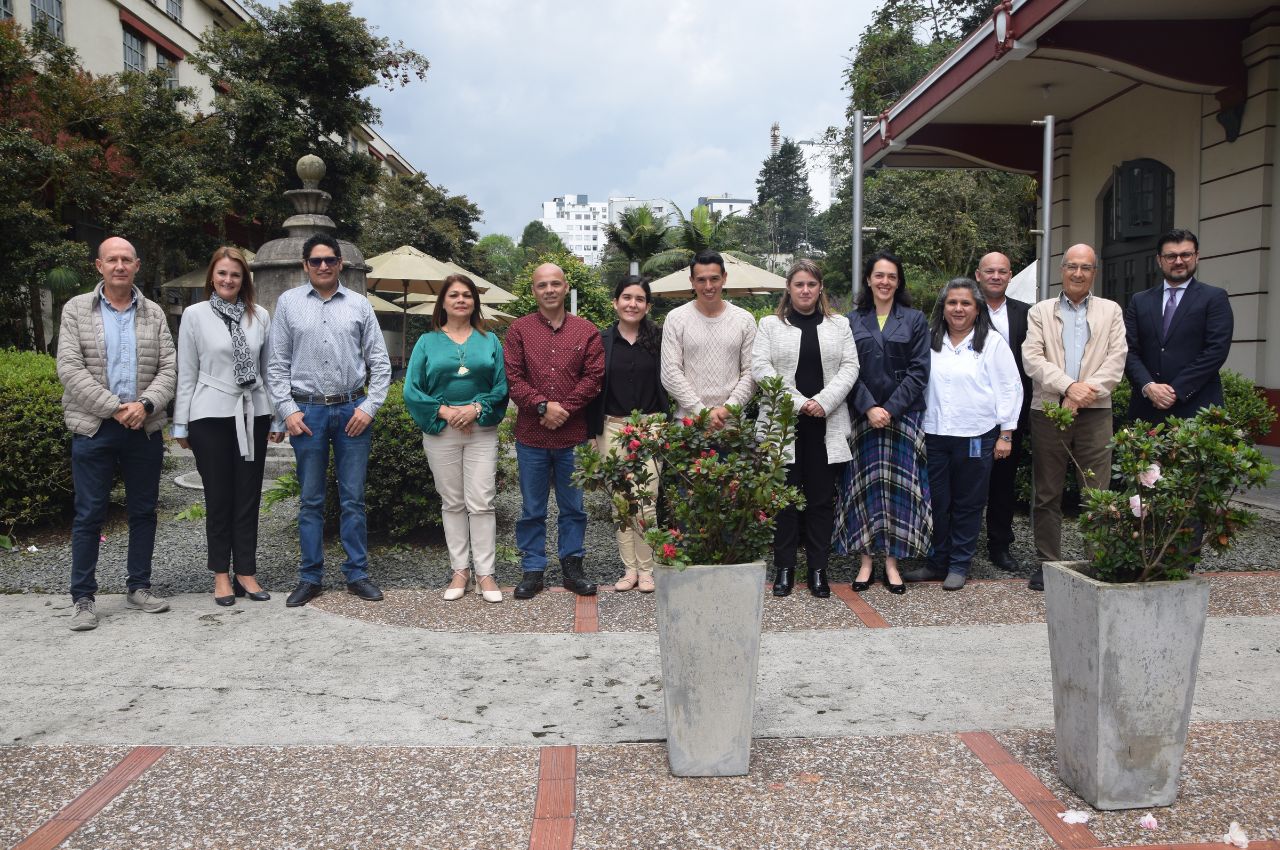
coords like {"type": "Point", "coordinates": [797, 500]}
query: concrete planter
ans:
{"type": "Point", "coordinates": [709, 637]}
{"type": "Point", "coordinates": [1123, 659]}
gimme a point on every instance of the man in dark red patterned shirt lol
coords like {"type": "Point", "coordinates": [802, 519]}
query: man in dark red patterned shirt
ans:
{"type": "Point", "coordinates": [555, 363]}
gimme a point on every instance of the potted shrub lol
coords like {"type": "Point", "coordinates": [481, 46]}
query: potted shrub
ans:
{"type": "Point", "coordinates": [723, 490]}
{"type": "Point", "coordinates": [1125, 629]}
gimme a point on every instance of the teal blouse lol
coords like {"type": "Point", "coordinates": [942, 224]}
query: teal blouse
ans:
{"type": "Point", "coordinates": [432, 378]}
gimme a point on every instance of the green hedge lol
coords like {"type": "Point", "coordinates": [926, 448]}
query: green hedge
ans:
{"type": "Point", "coordinates": [35, 445]}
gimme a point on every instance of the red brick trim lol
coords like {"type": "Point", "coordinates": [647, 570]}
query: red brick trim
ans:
{"type": "Point", "coordinates": [1030, 792]}
{"type": "Point", "coordinates": [869, 616]}
{"type": "Point", "coordinates": [162, 44]}
{"type": "Point", "coordinates": [73, 816]}
{"type": "Point", "coordinates": [586, 615]}
{"type": "Point", "coordinates": [554, 815]}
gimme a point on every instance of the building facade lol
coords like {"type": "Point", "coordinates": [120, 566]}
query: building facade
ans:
{"type": "Point", "coordinates": [579, 222]}
{"type": "Point", "coordinates": [726, 205]}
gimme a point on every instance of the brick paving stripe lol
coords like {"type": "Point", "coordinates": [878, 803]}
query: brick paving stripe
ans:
{"type": "Point", "coordinates": [869, 616]}
{"type": "Point", "coordinates": [1030, 792]}
{"type": "Point", "coordinates": [58, 828]}
{"type": "Point", "coordinates": [586, 615]}
{"type": "Point", "coordinates": [553, 812]}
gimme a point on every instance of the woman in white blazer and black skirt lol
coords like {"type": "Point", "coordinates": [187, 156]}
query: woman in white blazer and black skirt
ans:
{"type": "Point", "coordinates": [221, 412]}
{"type": "Point", "coordinates": [812, 351]}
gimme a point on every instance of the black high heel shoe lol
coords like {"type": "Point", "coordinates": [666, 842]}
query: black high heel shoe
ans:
{"type": "Point", "coordinates": [240, 590]}
{"type": "Point", "coordinates": [784, 581]}
{"type": "Point", "coordinates": [860, 586]}
{"type": "Point", "coordinates": [898, 589]}
{"type": "Point", "coordinates": [818, 583]}
{"type": "Point", "coordinates": [226, 601]}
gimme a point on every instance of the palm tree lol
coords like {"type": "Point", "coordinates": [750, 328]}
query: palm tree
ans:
{"type": "Point", "coordinates": [638, 235]}
{"type": "Point", "coordinates": [698, 231]}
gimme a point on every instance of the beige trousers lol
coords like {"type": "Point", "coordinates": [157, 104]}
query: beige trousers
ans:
{"type": "Point", "coordinates": [634, 552]}
{"type": "Point", "coordinates": [465, 468]}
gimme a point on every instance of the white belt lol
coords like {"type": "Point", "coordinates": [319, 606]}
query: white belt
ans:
{"type": "Point", "coordinates": [244, 419]}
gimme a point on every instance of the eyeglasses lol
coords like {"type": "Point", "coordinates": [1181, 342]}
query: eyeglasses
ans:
{"type": "Point", "coordinates": [1185, 256]}
{"type": "Point", "coordinates": [1078, 267]}
{"type": "Point", "coordinates": [317, 262]}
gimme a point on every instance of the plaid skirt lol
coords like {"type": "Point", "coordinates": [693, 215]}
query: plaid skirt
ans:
{"type": "Point", "coordinates": [882, 503]}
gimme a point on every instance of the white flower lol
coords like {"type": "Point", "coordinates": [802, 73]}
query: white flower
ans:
{"type": "Point", "coordinates": [1151, 476]}
{"type": "Point", "coordinates": [1236, 836]}
{"type": "Point", "coordinates": [1074, 816]}
{"type": "Point", "coordinates": [1138, 507]}
{"type": "Point", "coordinates": [1149, 821]}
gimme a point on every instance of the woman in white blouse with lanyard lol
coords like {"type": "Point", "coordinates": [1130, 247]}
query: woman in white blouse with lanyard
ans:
{"type": "Point", "coordinates": [972, 404]}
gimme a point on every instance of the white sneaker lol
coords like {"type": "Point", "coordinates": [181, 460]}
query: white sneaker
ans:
{"type": "Point", "coordinates": [146, 600]}
{"type": "Point", "coordinates": [85, 617]}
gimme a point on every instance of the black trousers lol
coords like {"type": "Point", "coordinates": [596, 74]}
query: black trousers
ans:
{"type": "Point", "coordinates": [1002, 496]}
{"type": "Point", "coordinates": [232, 490]}
{"type": "Point", "coordinates": [817, 480]}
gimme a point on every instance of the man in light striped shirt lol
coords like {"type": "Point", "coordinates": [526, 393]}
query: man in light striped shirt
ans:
{"type": "Point", "coordinates": [325, 343]}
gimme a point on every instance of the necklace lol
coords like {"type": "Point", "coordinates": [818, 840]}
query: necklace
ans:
{"type": "Point", "coordinates": [462, 355]}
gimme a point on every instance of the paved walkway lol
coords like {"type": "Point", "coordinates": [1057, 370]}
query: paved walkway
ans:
{"type": "Point", "coordinates": [920, 721]}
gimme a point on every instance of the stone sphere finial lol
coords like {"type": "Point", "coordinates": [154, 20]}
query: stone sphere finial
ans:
{"type": "Point", "coordinates": [311, 169]}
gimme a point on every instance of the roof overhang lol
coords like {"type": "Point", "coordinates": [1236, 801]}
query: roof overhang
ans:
{"type": "Point", "coordinates": [1063, 58]}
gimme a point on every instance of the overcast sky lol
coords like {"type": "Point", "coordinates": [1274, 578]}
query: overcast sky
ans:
{"type": "Point", "coordinates": [530, 99]}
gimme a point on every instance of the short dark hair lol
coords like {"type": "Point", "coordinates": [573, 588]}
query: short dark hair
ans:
{"type": "Point", "coordinates": [439, 316]}
{"type": "Point", "coordinates": [1178, 234]}
{"type": "Point", "coordinates": [707, 257]}
{"type": "Point", "coordinates": [938, 322]}
{"type": "Point", "coordinates": [866, 301]}
{"type": "Point", "coordinates": [321, 239]}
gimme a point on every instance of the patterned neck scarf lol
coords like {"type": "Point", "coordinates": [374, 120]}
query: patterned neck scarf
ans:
{"type": "Point", "coordinates": [245, 364]}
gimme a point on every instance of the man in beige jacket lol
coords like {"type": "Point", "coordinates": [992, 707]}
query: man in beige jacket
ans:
{"type": "Point", "coordinates": [118, 370]}
{"type": "Point", "coordinates": [1074, 355]}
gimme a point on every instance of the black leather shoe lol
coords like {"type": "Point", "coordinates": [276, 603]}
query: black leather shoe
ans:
{"type": "Point", "coordinates": [225, 601]}
{"type": "Point", "coordinates": [818, 583]}
{"type": "Point", "coordinates": [783, 581]}
{"type": "Point", "coordinates": [859, 586]}
{"type": "Point", "coordinates": [241, 590]}
{"type": "Point", "coordinates": [573, 577]}
{"type": "Point", "coordinates": [366, 590]}
{"type": "Point", "coordinates": [897, 589]}
{"type": "Point", "coordinates": [924, 574]}
{"type": "Point", "coordinates": [530, 585]}
{"type": "Point", "coordinates": [302, 594]}
{"type": "Point", "coordinates": [1036, 582]}
{"type": "Point", "coordinates": [1005, 561]}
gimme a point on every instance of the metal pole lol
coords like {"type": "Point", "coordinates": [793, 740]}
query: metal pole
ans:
{"type": "Point", "coordinates": [1046, 208]}
{"type": "Point", "coordinates": [855, 277]}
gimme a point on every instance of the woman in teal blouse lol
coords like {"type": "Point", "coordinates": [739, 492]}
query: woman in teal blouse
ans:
{"type": "Point", "coordinates": [456, 390]}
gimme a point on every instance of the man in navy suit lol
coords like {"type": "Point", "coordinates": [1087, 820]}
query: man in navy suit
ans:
{"type": "Point", "coordinates": [1009, 319]}
{"type": "Point", "coordinates": [1179, 334]}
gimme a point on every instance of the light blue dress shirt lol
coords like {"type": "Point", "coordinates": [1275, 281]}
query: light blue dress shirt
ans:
{"type": "Point", "coordinates": [122, 348]}
{"type": "Point", "coordinates": [1075, 333]}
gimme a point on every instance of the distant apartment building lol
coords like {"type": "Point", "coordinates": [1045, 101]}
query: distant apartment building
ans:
{"type": "Point", "coordinates": [726, 205]}
{"type": "Point", "coordinates": [618, 205]}
{"type": "Point", "coordinates": [579, 223]}
{"type": "Point", "coordinates": [112, 36]}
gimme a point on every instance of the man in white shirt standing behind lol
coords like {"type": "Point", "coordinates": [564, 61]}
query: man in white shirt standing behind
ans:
{"type": "Point", "coordinates": [706, 346]}
{"type": "Point", "coordinates": [1009, 319]}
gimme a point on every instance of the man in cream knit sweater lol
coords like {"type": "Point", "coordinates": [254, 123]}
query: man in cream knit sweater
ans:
{"type": "Point", "coordinates": [706, 346]}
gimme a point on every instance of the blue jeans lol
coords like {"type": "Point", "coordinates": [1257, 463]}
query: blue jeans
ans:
{"type": "Point", "coordinates": [958, 491]}
{"type": "Point", "coordinates": [93, 470]}
{"type": "Point", "coordinates": [351, 460]}
{"type": "Point", "coordinates": [537, 469]}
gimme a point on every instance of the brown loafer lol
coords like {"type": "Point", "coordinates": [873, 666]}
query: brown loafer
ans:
{"type": "Point", "coordinates": [646, 583]}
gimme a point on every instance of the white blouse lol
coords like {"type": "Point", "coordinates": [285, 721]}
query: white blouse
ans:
{"type": "Point", "coordinates": [971, 392]}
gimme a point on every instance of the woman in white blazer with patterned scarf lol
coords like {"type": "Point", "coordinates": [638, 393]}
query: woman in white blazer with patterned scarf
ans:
{"type": "Point", "coordinates": [222, 413]}
{"type": "Point", "coordinates": [812, 351]}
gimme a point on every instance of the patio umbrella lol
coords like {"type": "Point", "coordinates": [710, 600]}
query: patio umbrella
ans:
{"type": "Point", "coordinates": [406, 269]}
{"type": "Point", "coordinates": [427, 306]}
{"type": "Point", "coordinates": [195, 279]}
{"type": "Point", "coordinates": [382, 305]}
{"type": "Point", "coordinates": [742, 278]}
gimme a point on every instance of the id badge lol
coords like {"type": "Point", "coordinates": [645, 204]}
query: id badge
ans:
{"type": "Point", "coordinates": [975, 447]}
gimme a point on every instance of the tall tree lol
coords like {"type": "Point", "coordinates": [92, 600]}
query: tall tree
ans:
{"type": "Point", "coordinates": [783, 202]}
{"type": "Point", "coordinates": [638, 235]}
{"type": "Point", "coordinates": [498, 258]}
{"type": "Point", "coordinates": [291, 82]}
{"type": "Point", "coordinates": [537, 239]}
{"type": "Point", "coordinates": [409, 210]}
{"type": "Point", "coordinates": [594, 301]}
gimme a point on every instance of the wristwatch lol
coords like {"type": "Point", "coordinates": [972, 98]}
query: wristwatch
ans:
{"type": "Point", "coordinates": [1004, 438]}
{"type": "Point", "coordinates": [542, 408]}
{"type": "Point", "coordinates": [148, 406]}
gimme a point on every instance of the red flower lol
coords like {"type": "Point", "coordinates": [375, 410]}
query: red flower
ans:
{"type": "Point", "coordinates": [668, 551]}
{"type": "Point", "coordinates": [633, 445]}
{"type": "Point", "coordinates": [631, 456]}
{"type": "Point", "coordinates": [686, 422]}
{"type": "Point", "coordinates": [627, 429]}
